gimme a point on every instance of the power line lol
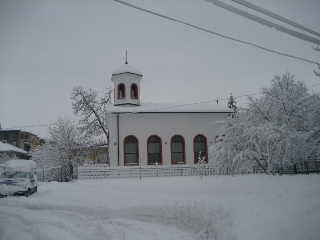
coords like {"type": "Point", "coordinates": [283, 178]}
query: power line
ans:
{"type": "Point", "coordinates": [209, 101]}
{"type": "Point", "coordinates": [180, 105]}
{"type": "Point", "coordinates": [190, 104]}
{"type": "Point", "coordinates": [273, 15]}
{"type": "Point", "coordinates": [218, 34]}
{"type": "Point", "coordinates": [265, 22]}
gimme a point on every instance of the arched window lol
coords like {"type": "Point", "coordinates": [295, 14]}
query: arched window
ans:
{"type": "Point", "coordinates": [200, 147]}
{"type": "Point", "coordinates": [154, 150]}
{"type": "Point", "coordinates": [131, 152]}
{"type": "Point", "coordinates": [134, 91]}
{"type": "Point", "coordinates": [121, 91]}
{"type": "Point", "coordinates": [177, 150]}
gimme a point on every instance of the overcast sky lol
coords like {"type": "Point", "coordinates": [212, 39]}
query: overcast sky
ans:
{"type": "Point", "coordinates": [49, 47]}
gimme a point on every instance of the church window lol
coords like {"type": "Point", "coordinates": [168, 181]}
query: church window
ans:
{"type": "Point", "coordinates": [177, 150]}
{"type": "Point", "coordinates": [154, 150]}
{"type": "Point", "coordinates": [134, 91]}
{"type": "Point", "coordinates": [121, 91]}
{"type": "Point", "coordinates": [200, 147]}
{"type": "Point", "coordinates": [131, 153]}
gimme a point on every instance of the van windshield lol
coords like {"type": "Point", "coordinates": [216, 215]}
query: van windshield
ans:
{"type": "Point", "coordinates": [14, 175]}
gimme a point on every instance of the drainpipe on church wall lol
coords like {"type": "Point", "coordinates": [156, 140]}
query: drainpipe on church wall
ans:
{"type": "Point", "coordinates": [118, 139]}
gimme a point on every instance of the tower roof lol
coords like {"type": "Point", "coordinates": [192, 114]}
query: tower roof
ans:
{"type": "Point", "coordinates": [126, 69]}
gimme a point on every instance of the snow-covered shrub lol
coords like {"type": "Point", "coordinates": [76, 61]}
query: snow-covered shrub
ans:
{"type": "Point", "coordinates": [66, 148]}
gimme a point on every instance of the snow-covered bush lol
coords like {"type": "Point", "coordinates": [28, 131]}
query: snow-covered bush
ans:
{"type": "Point", "coordinates": [275, 131]}
{"type": "Point", "coordinates": [201, 164]}
{"type": "Point", "coordinates": [232, 104]}
{"type": "Point", "coordinates": [65, 148]}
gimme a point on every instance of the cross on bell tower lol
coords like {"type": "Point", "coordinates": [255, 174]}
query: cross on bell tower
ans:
{"type": "Point", "coordinates": [126, 57]}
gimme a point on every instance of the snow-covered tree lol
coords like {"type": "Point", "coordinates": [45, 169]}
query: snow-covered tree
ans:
{"type": "Point", "coordinates": [273, 132]}
{"type": "Point", "coordinates": [90, 109]}
{"type": "Point", "coordinates": [66, 147]}
{"type": "Point", "coordinates": [232, 104]}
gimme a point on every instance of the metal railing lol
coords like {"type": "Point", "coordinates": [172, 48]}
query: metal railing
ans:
{"type": "Point", "coordinates": [49, 174]}
{"type": "Point", "coordinates": [307, 167]}
{"type": "Point", "coordinates": [105, 172]}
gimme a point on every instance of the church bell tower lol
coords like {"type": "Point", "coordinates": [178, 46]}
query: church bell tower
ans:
{"type": "Point", "coordinates": [126, 85]}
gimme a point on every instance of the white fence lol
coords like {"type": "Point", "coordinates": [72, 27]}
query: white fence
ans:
{"type": "Point", "coordinates": [94, 172]}
{"type": "Point", "coordinates": [103, 171]}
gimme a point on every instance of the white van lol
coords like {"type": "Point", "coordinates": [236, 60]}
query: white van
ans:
{"type": "Point", "coordinates": [18, 178]}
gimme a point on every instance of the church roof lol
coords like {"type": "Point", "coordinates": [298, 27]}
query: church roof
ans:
{"type": "Point", "coordinates": [169, 108]}
{"type": "Point", "coordinates": [126, 69]}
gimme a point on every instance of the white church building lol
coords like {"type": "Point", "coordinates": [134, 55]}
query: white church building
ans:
{"type": "Point", "coordinates": [157, 134]}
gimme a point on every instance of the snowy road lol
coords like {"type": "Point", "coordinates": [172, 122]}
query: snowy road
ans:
{"type": "Point", "coordinates": [242, 207]}
{"type": "Point", "coordinates": [69, 222]}
{"type": "Point", "coordinates": [41, 221]}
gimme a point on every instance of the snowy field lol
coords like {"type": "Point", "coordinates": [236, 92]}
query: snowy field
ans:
{"type": "Point", "coordinates": [189, 208]}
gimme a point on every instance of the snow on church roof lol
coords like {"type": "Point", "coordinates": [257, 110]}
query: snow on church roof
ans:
{"type": "Point", "coordinates": [169, 108]}
{"type": "Point", "coordinates": [126, 69]}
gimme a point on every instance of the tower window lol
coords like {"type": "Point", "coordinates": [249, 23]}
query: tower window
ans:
{"type": "Point", "coordinates": [121, 91]}
{"type": "Point", "coordinates": [134, 91]}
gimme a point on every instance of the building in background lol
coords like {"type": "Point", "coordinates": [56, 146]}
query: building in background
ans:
{"type": "Point", "coordinates": [8, 151]}
{"type": "Point", "coordinates": [20, 139]}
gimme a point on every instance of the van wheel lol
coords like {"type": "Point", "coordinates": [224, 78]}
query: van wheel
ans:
{"type": "Point", "coordinates": [27, 193]}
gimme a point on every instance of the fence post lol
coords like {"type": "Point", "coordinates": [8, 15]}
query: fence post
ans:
{"type": "Point", "coordinates": [140, 167]}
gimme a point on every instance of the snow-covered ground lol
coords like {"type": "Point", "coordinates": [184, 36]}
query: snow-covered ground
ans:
{"type": "Point", "coordinates": [223, 207]}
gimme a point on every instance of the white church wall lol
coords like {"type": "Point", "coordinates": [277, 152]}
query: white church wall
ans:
{"type": "Point", "coordinates": [164, 125]}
